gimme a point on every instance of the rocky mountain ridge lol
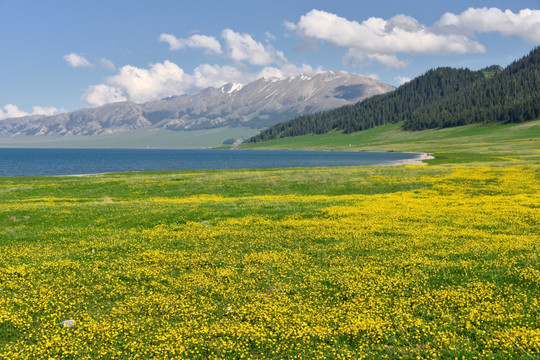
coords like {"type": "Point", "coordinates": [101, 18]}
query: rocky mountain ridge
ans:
{"type": "Point", "coordinates": [259, 104]}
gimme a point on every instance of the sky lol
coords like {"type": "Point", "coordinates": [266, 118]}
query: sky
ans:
{"type": "Point", "coordinates": [62, 55]}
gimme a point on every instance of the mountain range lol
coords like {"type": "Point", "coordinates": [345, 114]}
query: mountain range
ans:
{"type": "Point", "coordinates": [257, 105]}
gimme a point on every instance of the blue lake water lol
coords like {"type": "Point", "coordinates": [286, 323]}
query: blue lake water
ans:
{"type": "Point", "coordinates": [49, 162]}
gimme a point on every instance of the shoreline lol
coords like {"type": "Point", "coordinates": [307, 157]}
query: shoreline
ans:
{"type": "Point", "coordinates": [417, 161]}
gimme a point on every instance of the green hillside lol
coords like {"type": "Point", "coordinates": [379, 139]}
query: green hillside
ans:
{"type": "Point", "coordinates": [441, 98]}
{"type": "Point", "coordinates": [463, 144]}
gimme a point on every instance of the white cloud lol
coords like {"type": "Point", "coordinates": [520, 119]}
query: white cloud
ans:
{"type": "Point", "coordinates": [208, 43]}
{"type": "Point", "coordinates": [161, 80]}
{"type": "Point", "coordinates": [75, 60]}
{"type": "Point", "coordinates": [102, 94]}
{"type": "Point", "coordinates": [139, 85]}
{"type": "Point", "coordinates": [12, 111]}
{"type": "Point", "coordinates": [524, 24]}
{"type": "Point", "coordinates": [355, 57]}
{"type": "Point", "coordinates": [242, 47]}
{"type": "Point", "coordinates": [290, 25]}
{"type": "Point", "coordinates": [271, 72]}
{"type": "Point", "coordinates": [373, 76]}
{"type": "Point", "coordinates": [402, 22]}
{"type": "Point", "coordinates": [165, 79]}
{"type": "Point", "coordinates": [286, 71]}
{"type": "Point", "coordinates": [269, 35]}
{"type": "Point", "coordinates": [168, 79]}
{"type": "Point", "coordinates": [46, 110]}
{"type": "Point", "coordinates": [107, 64]}
{"type": "Point", "coordinates": [402, 80]}
{"type": "Point", "coordinates": [205, 42]}
{"type": "Point", "coordinates": [380, 39]}
{"type": "Point", "coordinates": [174, 43]}
{"type": "Point", "coordinates": [206, 75]}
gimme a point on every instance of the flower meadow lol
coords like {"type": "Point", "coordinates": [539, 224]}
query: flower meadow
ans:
{"type": "Point", "coordinates": [367, 262]}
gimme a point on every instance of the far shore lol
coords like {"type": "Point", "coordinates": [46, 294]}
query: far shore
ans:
{"type": "Point", "coordinates": [416, 161]}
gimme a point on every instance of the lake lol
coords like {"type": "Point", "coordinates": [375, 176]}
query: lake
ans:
{"type": "Point", "coordinates": [49, 162]}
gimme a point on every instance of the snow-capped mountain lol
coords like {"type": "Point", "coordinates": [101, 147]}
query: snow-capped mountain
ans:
{"type": "Point", "coordinates": [259, 104]}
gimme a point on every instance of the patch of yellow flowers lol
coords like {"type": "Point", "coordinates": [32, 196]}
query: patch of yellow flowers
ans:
{"type": "Point", "coordinates": [451, 270]}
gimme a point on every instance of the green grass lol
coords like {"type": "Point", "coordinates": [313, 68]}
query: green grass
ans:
{"type": "Point", "coordinates": [466, 144]}
{"type": "Point", "coordinates": [370, 261]}
{"type": "Point", "coordinates": [143, 138]}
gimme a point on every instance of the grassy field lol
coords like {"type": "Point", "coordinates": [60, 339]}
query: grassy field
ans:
{"type": "Point", "coordinates": [466, 144]}
{"type": "Point", "coordinates": [352, 262]}
{"type": "Point", "coordinates": [438, 261]}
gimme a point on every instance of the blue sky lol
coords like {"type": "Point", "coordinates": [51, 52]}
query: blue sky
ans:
{"type": "Point", "coordinates": [64, 55]}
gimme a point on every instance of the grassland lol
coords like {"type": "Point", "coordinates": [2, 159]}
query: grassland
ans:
{"type": "Point", "coordinates": [465, 144]}
{"type": "Point", "coordinates": [366, 262]}
{"type": "Point", "coordinates": [438, 261]}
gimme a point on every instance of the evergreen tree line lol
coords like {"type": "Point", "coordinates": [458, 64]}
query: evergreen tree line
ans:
{"type": "Point", "coordinates": [443, 97]}
{"type": "Point", "coordinates": [508, 97]}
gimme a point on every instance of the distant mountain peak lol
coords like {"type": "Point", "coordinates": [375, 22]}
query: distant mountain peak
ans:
{"type": "Point", "coordinates": [258, 104]}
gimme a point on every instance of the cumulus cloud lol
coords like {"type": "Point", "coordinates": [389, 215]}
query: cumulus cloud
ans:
{"type": "Point", "coordinates": [524, 24]}
{"type": "Point", "coordinates": [206, 75]}
{"type": "Point", "coordinates": [280, 73]}
{"type": "Point", "coordinates": [103, 94]}
{"type": "Point", "coordinates": [46, 110]}
{"type": "Point", "coordinates": [239, 47]}
{"type": "Point", "coordinates": [208, 43]}
{"type": "Point", "coordinates": [356, 57]}
{"type": "Point", "coordinates": [269, 35]}
{"type": "Point", "coordinates": [167, 79]}
{"type": "Point", "coordinates": [402, 80]}
{"type": "Point", "coordinates": [12, 111]}
{"type": "Point", "coordinates": [251, 60]}
{"type": "Point", "coordinates": [380, 40]}
{"type": "Point", "coordinates": [161, 80]}
{"type": "Point", "coordinates": [287, 70]}
{"type": "Point", "coordinates": [243, 47]}
{"type": "Point", "coordinates": [75, 60]}
{"type": "Point", "coordinates": [373, 76]}
{"type": "Point", "coordinates": [290, 25]}
{"type": "Point", "coordinates": [400, 34]}
{"type": "Point", "coordinates": [139, 85]}
{"type": "Point", "coordinates": [107, 64]}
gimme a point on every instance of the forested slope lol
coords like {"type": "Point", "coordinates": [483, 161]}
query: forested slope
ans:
{"type": "Point", "coordinates": [508, 97]}
{"type": "Point", "coordinates": [443, 97]}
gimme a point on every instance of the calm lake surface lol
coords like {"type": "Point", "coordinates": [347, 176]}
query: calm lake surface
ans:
{"type": "Point", "coordinates": [48, 162]}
